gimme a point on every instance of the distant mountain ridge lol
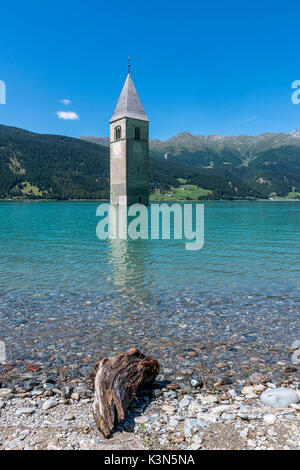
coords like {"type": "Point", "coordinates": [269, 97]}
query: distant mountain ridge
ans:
{"type": "Point", "coordinates": [41, 166]}
{"type": "Point", "coordinates": [244, 157]}
{"type": "Point", "coordinates": [244, 144]}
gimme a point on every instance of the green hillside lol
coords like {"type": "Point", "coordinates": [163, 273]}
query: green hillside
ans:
{"type": "Point", "coordinates": [273, 171]}
{"type": "Point", "coordinates": [40, 166]}
{"type": "Point", "coordinates": [53, 166]}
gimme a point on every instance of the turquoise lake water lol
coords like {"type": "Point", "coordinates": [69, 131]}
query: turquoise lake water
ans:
{"type": "Point", "coordinates": [249, 247]}
{"type": "Point", "coordinates": [66, 294]}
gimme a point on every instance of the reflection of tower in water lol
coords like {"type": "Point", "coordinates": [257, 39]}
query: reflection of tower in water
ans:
{"type": "Point", "coordinates": [129, 258]}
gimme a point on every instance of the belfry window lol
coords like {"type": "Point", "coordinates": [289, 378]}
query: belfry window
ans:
{"type": "Point", "coordinates": [118, 133]}
{"type": "Point", "coordinates": [137, 133]}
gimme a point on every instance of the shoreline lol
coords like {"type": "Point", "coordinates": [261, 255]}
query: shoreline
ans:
{"type": "Point", "coordinates": [158, 201]}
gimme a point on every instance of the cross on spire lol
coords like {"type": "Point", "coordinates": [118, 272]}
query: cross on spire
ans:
{"type": "Point", "coordinates": [129, 64]}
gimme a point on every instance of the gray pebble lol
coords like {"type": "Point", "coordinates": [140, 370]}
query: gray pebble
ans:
{"type": "Point", "coordinates": [296, 344]}
{"type": "Point", "coordinates": [296, 357]}
{"type": "Point", "coordinates": [25, 411]}
{"type": "Point", "coordinates": [279, 397]}
{"type": "Point", "coordinates": [48, 404]}
{"type": "Point", "coordinates": [196, 383]}
{"type": "Point", "coordinates": [184, 403]}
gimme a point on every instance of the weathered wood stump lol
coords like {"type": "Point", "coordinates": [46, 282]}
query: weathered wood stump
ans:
{"type": "Point", "coordinates": [116, 382]}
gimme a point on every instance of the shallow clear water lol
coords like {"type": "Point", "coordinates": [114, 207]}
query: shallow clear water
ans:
{"type": "Point", "coordinates": [52, 247]}
{"type": "Point", "coordinates": [64, 293]}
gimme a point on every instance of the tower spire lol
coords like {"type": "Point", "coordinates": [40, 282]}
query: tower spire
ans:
{"type": "Point", "coordinates": [129, 64]}
{"type": "Point", "coordinates": [129, 104]}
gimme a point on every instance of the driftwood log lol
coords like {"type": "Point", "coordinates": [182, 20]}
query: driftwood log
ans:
{"type": "Point", "coordinates": [116, 382]}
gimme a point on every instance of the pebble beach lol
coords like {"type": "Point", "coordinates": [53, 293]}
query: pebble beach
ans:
{"type": "Point", "coordinates": [42, 415]}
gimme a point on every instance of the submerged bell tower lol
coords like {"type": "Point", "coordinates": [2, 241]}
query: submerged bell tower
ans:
{"type": "Point", "coordinates": [129, 149]}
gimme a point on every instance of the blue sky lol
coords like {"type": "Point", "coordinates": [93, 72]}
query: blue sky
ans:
{"type": "Point", "coordinates": [222, 67]}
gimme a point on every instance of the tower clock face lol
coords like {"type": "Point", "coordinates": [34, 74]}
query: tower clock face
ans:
{"type": "Point", "coordinates": [117, 150]}
{"type": "Point", "coordinates": [137, 148]}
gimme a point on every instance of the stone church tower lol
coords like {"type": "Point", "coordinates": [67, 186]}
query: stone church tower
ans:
{"type": "Point", "coordinates": [129, 149]}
